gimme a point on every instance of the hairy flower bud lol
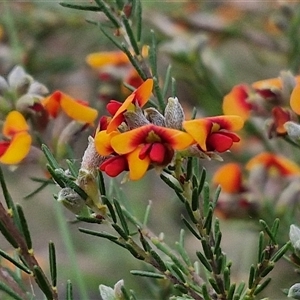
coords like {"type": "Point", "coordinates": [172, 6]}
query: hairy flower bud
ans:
{"type": "Point", "coordinates": [293, 129]}
{"type": "Point", "coordinates": [155, 117]}
{"type": "Point", "coordinates": [294, 291]}
{"type": "Point", "coordinates": [135, 119]}
{"type": "Point", "coordinates": [91, 159]}
{"type": "Point", "coordinates": [71, 200]}
{"type": "Point", "coordinates": [295, 238]}
{"type": "Point", "coordinates": [174, 114]}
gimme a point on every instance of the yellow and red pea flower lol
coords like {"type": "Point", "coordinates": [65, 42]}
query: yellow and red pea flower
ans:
{"type": "Point", "coordinates": [144, 146]}
{"type": "Point", "coordinates": [274, 163]}
{"type": "Point", "coordinates": [230, 178]}
{"type": "Point", "coordinates": [214, 133]}
{"type": "Point", "coordinates": [76, 109]}
{"type": "Point", "coordinates": [139, 97]}
{"type": "Point", "coordinates": [236, 102]}
{"type": "Point", "coordinates": [17, 140]}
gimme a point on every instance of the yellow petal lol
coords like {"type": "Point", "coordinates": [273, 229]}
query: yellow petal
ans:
{"type": "Point", "coordinates": [14, 122]}
{"type": "Point", "coordinates": [269, 84]}
{"type": "Point", "coordinates": [103, 142]}
{"type": "Point", "coordinates": [199, 129]}
{"type": "Point", "coordinates": [18, 148]}
{"type": "Point", "coordinates": [137, 167]}
{"type": "Point", "coordinates": [295, 99]}
{"type": "Point", "coordinates": [78, 111]}
{"type": "Point", "coordinates": [100, 59]}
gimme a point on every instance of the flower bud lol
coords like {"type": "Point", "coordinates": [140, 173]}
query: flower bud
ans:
{"type": "Point", "coordinates": [91, 159]}
{"type": "Point", "coordinates": [87, 180]}
{"type": "Point", "coordinates": [288, 84]}
{"type": "Point", "coordinates": [174, 114]}
{"type": "Point", "coordinates": [294, 291]}
{"type": "Point", "coordinates": [293, 129]}
{"type": "Point", "coordinates": [295, 239]}
{"type": "Point", "coordinates": [19, 80]}
{"type": "Point", "coordinates": [118, 289]}
{"type": "Point", "coordinates": [71, 200]}
{"type": "Point", "coordinates": [155, 117]}
{"type": "Point", "coordinates": [135, 119]}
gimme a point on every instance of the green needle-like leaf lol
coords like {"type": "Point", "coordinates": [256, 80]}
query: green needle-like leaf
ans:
{"type": "Point", "coordinates": [108, 12]}
{"type": "Point", "coordinates": [147, 274]}
{"type": "Point", "coordinates": [121, 216]}
{"type": "Point", "coordinates": [9, 291]}
{"type": "Point", "coordinates": [190, 227]}
{"type": "Point", "coordinates": [130, 34]}
{"type": "Point", "coordinates": [69, 293]}
{"type": "Point", "coordinates": [52, 263]}
{"type": "Point", "coordinates": [110, 208]}
{"type": "Point", "coordinates": [80, 7]}
{"type": "Point", "coordinates": [15, 262]}
{"type": "Point", "coordinates": [24, 227]}
{"type": "Point", "coordinates": [268, 231]}
{"type": "Point", "coordinates": [101, 184]}
{"type": "Point", "coordinates": [50, 158]}
{"type": "Point", "coordinates": [8, 236]}
{"type": "Point", "coordinates": [204, 261]}
{"type": "Point", "coordinates": [42, 282]}
{"type": "Point", "coordinates": [262, 286]}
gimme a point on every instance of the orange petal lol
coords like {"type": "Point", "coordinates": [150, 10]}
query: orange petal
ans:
{"type": "Point", "coordinates": [52, 103]}
{"type": "Point", "coordinates": [295, 99]}
{"type": "Point", "coordinates": [229, 177]}
{"type": "Point", "coordinates": [235, 103]}
{"type": "Point", "coordinates": [77, 111]}
{"type": "Point", "coordinates": [103, 142]}
{"type": "Point", "coordinates": [126, 142]}
{"type": "Point", "coordinates": [18, 149]}
{"type": "Point", "coordinates": [274, 162]}
{"type": "Point", "coordinates": [141, 95]}
{"type": "Point", "coordinates": [14, 122]}
{"type": "Point", "coordinates": [137, 167]}
{"type": "Point", "coordinates": [100, 59]}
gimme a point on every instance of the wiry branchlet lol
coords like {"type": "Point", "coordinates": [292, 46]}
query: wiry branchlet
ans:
{"type": "Point", "coordinates": [155, 117]}
{"type": "Point", "coordinates": [174, 114]}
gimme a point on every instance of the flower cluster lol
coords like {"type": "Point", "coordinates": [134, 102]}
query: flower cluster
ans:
{"type": "Point", "coordinates": [28, 114]}
{"type": "Point", "coordinates": [268, 176]}
{"type": "Point", "coordinates": [280, 96]}
{"type": "Point", "coordinates": [135, 139]}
